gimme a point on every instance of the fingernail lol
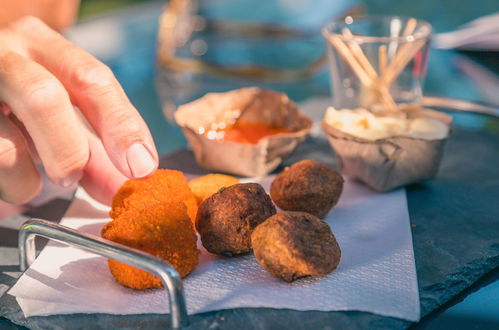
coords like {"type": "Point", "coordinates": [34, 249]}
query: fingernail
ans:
{"type": "Point", "coordinates": [140, 160]}
{"type": "Point", "coordinates": [71, 179]}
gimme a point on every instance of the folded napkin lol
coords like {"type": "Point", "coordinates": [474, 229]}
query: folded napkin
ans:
{"type": "Point", "coordinates": [377, 272]}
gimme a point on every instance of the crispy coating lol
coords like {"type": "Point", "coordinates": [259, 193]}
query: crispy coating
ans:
{"type": "Point", "coordinates": [150, 216]}
{"type": "Point", "coordinates": [164, 231]}
{"type": "Point", "coordinates": [206, 185]}
{"type": "Point", "coordinates": [163, 185]}
{"type": "Point", "coordinates": [226, 219]}
{"type": "Point", "coordinates": [291, 245]}
{"type": "Point", "coordinates": [307, 186]}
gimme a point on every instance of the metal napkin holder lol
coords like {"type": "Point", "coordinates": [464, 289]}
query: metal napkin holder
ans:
{"type": "Point", "coordinates": [136, 258]}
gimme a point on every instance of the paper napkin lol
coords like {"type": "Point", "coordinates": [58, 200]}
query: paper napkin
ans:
{"type": "Point", "coordinates": [377, 272]}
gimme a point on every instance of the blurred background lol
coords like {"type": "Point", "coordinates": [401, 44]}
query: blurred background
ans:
{"type": "Point", "coordinates": [216, 45]}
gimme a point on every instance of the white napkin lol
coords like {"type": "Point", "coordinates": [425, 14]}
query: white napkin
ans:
{"type": "Point", "coordinates": [377, 272]}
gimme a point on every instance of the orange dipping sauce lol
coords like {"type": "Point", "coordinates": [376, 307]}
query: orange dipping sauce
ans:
{"type": "Point", "coordinates": [242, 132]}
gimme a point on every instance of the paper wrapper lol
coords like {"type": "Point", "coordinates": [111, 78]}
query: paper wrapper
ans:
{"type": "Point", "coordinates": [388, 163]}
{"type": "Point", "coordinates": [255, 105]}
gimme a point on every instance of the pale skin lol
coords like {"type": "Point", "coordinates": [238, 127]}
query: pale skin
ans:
{"type": "Point", "coordinates": [44, 80]}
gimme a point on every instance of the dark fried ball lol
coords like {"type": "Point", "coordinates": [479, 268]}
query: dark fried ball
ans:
{"type": "Point", "coordinates": [295, 244]}
{"type": "Point", "coordinates": [307, 186]}
{"type": "Point", "coordinates": [226, 219]}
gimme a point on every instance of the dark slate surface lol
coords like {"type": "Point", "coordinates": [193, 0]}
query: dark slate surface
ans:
{"type": "Point", "coordinates": [455, 223]}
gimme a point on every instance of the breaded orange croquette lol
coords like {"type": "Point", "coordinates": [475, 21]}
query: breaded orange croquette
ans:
{"type": "Point", "coordinates": [206, 185]}
{"type": "Point", "coordinates": [154, 215]}
{"type": "Point", "coordinates": [163, 185]}
{"type": "Point", "coordinates": [164, 231]}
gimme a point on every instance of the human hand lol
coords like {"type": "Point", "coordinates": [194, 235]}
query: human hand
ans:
{"type": "Point", "coordinates": [42, 75]}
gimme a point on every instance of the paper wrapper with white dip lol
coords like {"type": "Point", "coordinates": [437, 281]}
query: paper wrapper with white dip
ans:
{"type": "Point", "coordinates": [387, 152]}
{"type": "Point", "coordinates": [254, 105]}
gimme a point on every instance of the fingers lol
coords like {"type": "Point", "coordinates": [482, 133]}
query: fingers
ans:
{"type": "Point", "coordinates": [101, 179]}
{"type": "Point", "coordinates": [19, 178]}
{"type": "Point", "coordinates": [41, 103]}
{"type": "Point", "coordinates": [94, 89]}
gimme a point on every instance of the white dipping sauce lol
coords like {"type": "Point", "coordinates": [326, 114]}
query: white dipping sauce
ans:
{"type": "Point", "coordinates": [362, 123]}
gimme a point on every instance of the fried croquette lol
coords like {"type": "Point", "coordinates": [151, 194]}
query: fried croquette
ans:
{"type": "Point", "coordinates": [291, 245]}
{"type": "Point", "coordinates": [163, 185]}
{"type": "Point", "coordinates": [152, 215]}
{"type": "Point", "coordinates": [227, 218]}
{"type": "Point", "coordinates": [206, 185]}
{"type": "Point", "coordinates": [307, 186]}
{"type": "Point", "coordinates": [165, 231]}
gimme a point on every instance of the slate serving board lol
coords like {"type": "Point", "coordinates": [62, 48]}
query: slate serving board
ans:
{"type": "Point", "coordinates": [455, 225]}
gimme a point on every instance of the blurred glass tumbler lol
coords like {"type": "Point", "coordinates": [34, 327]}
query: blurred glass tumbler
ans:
{"type": "Point", "coordinates": [217, 46]}
{"type": "Point", "coordinates": [377, 62]}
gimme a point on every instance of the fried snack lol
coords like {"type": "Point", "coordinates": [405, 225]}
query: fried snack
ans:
{"type": "Point", "coordinates": [154, 214]}
{"type": "Point", "coordinates": [165, 231]}
{"type": "Point", "coordinates": [206, 185]}
{"type": "Point", "coordinates": [307, 186]}
{"type": "Point", "coordinates": [291, 245]}
{"type": "Point", "coordinates": [163, 185]}
{"type": "Point", "coordinates": [226, 219]}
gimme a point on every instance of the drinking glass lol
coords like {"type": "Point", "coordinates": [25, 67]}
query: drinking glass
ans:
{"type": "Point", "coordinates": [377, 62]}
